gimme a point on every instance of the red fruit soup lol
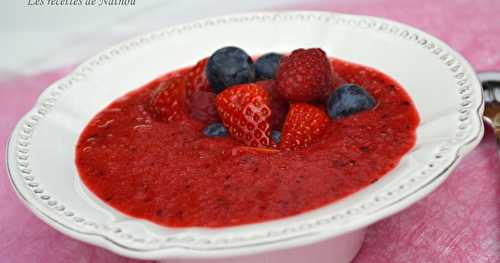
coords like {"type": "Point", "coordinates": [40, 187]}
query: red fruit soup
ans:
{"type": "Point", "coordinates": [172, 174]}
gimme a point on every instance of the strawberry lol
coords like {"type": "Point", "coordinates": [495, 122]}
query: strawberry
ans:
{"type": "Point", "coordinates": [168, 100]}
{"type": "Point", "coordinates": [196, 79]}
{"type": "Point", "coordinates": [304, 125]}
{"type": "Point", "coordinates": [201, 105]}
{"type": "Point", "coordinates": [279, 106]}
{"type": "Point", "coordinates": [305, 75]}
{"type": "Point", "coordinates": [245, 111]}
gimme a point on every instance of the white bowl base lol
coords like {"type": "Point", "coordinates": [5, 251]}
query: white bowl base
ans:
{"type": "Point", "coordinates": [341, 249]}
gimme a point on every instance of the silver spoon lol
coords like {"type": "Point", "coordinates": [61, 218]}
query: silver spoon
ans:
{"type": "Point", "coordinates": [491, 91]}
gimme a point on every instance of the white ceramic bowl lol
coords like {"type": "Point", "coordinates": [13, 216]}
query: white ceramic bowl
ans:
{"type": "Point", "coordinates": [442, 84]}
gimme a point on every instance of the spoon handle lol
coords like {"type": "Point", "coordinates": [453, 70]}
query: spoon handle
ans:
{"type": "Point", "coordinates": [491, 90]}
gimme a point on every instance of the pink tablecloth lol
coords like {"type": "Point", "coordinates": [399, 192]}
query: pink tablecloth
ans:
{"type": "Point", "coordinates": [459, 222]}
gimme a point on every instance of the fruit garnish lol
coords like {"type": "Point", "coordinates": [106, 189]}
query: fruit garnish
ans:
{"type": "Point", "coordinates": [229, 66]}
{"type": "Point", "coordinates": [276, 136]}
{"type": "Point", "coordinates": [303, 126]}
{"type": "Point", "coordinates": [305, 75]}
{"type": "Point", "coordinates": [168, 100]}
{"type": "Point", "coordinates": [279, 105]}
{"type": "Point", "coordinates": [215, 130]}
{"type": "Point", "coordinates": [245, 111]}
{"type": "Point", "coordinates": [196, 79]}
{"type": "Point", "coordinates": [201, 106]}
{"type": "Point", "coordinates": [267, 65]}
{"type": "Point", "coordinates": [347, 100]}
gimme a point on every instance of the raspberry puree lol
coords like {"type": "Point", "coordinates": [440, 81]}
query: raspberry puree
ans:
{"type": "Point", "coordinates": [173, 175]}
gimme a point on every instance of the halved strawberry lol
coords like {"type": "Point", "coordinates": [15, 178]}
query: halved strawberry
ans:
{"type": "Point", "coordinates": [168, 100]}
{"type": "Point", "coordinates": [279, 105]}
{"type": "Point", "coordinates": [245, 111]}
{"type": "Point", "coordinates": [196, 79]}
{"type": "Point", "coordinates": [304, 125]}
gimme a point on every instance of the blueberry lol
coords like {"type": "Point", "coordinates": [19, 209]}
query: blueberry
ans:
{"type": "Point", "coordinates": [267, 65]}
{"type": "Point", "coordinates": [229, 66]}
{"type": "Point", "coordinates": [347, 100]}
{"type": "Point", "coordinates": [276, 136]}
{"type": "Point", "coordinates": [215, 130]}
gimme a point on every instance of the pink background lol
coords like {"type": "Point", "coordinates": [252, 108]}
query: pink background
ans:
{"type": "Point", "coordinates": [459, 222]}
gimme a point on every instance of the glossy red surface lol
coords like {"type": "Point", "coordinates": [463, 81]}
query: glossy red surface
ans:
{"type": "Point", "coordinates": [173, 175]}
